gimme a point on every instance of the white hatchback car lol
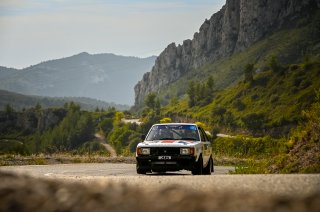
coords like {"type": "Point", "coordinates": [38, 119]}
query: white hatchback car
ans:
{"type": "Point", "coordinates": [174, 147]}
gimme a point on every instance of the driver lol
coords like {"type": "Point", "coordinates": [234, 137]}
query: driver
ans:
{"type": "Point", "coordinates": [165, 134]}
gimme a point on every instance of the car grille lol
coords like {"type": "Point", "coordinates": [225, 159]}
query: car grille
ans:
{"type": "Point", "coordinates": [165, 151]}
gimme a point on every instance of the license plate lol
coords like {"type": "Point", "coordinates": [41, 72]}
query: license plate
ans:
{"type": "Point", "coordinates": [164, 157]}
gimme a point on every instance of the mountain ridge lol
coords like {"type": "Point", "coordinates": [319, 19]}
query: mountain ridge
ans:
{"type": "Point", "coordinates": [20, 101]}
{"type": "Point", "coordinates": [96, 76]}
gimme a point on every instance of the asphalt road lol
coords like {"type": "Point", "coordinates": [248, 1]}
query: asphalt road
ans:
{"type": "Point", "coordinates": [106, 173]}
{"type": "Point", "coordinates": [94, 170]}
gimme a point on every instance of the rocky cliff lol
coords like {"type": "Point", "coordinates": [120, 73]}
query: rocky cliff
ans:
{"type": "Point", "coordinates": [238, 25]}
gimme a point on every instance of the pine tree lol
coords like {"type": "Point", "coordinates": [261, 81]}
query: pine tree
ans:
{"type": "Point", "coordinates": [191, 93]}
{"type": "Point", "coordinates": [150, 101]}
{"type": "Point", "coordinates": [8, 109]}
{"type": "Point", "coordinates": [248, 73]}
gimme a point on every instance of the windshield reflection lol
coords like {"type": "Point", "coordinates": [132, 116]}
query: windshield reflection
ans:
{"type": "Point", "coordinates": [173, 132]}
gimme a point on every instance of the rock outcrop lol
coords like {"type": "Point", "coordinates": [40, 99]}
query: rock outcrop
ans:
{"type": "Point", "coordinates": [238, 25]}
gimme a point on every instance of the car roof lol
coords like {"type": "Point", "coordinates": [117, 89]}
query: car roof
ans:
{"type": "Point", "coordinates": [177, 124]}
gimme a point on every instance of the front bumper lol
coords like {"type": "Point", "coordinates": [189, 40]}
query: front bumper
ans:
{"type": "Point", "coordinates": [176, 163]}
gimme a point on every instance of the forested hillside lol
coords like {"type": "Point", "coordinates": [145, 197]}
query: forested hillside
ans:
{"type": "Point", "coordinates": [269, 102]}
{"type": "Point", "coordinates": [69, 129]}
{"type": "Point", "coordinates": [19, 102]}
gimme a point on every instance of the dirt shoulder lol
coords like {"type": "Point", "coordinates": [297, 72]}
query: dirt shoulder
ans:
{"type": "Point", "coordinates": [13, 160]}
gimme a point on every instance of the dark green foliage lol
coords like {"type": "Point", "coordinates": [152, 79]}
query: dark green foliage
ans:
{"type": "Point", "coordinates": [38, 107]}
{"type": "Point", "coordinates": [93, 147]}
{"type": "Point", "coordinates": [8, 109]}
{"type": "Point", "coordinates": [12, 146]}
{"type": "Point", "coordinates": [248, 73]}
{"type": "Point", "coordinates": [249, 147]}
{"type": "Point", "coordinates": [275, 66]}
{"type": "Point", "coordinates": [106, 125]}
{"type": "Point", "coordinates": [134, 140]}
{"type": "Point", "coordinates": [222, 117]}
{"type": "Point", "coordinates": [218, 111]}
{"type": "Point", "coordinates": [239, 105]}
{"type": "Point", "coordinates": [192, 94]}
{"type": "Point", "coordinates": [122, 137]}
{"type": "Point", "coordinates": [151, 114]}
{"type": "Point", "coordinates": [38, 130]}
{"type": "Point", "coordinates": [210, 83]}
{"type": "Point", "coordinates": [174, 101]}
{"type": "Point", "coordinates": [157, 107]}
{"type": "Point", "coordinates": [254, 121]}
{"type": "Point", "coordinates": [200, 94]}
{"type": "Point", "coordinates": [74, 130]}
{"type": "Point", "coordinates": [151, 101]}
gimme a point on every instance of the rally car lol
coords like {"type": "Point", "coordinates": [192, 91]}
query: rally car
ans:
{"type": "Point", "coordinates": [175, 147]}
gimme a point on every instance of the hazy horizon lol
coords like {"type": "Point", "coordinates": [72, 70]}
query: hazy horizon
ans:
{"type": "Point", "coordinates": [34, 31]}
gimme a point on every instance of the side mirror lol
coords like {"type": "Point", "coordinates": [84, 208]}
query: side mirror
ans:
{"type": "Point", "coordinates": [143, 137]}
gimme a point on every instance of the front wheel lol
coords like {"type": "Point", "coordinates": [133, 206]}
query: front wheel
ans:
{"type": "Point", "coordinates": [197, 170]}
{"type": "Point", "coordinates": [140, 170]}
{"type": "Point", "coordinates": [209, 168]}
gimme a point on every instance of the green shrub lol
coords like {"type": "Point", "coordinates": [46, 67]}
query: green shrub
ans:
{"type": "Point", "coordinates": [165, 120]}
{"type": "Point", "coordinates": [239, 105]}
{"type": "Point", "coordinates": [12, 146]}
{"type": "Point", "coordinates": [254, 121]}
{"type": "Point", "coordinates": [249, 147]}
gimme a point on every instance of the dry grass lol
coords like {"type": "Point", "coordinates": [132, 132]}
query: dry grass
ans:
{"type": "Point", "coordinates": [62, 158]}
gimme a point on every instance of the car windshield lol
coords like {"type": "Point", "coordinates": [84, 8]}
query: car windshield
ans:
{"type": "Point", "coordinates": [173, 132]}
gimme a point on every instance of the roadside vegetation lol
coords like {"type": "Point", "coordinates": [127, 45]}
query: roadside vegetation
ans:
{"type": "Point", "coordinates": [69, 129]}
{"type": "Point", "coordinates": [271, 118]}
{"type": "Point", "coordinates": [69, 134]}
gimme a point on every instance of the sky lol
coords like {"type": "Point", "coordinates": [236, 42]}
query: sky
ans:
{"type": "Point", "coordinates": [33, 31]}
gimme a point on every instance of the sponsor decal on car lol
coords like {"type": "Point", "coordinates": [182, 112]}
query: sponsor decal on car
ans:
{"type": "Point", "coordinates": [175, 141]}
{"type": "Point", "coordinates": [167, 141]}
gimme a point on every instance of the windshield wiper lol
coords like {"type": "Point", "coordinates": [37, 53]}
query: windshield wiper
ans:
{"type": "Point", "coordinates": [189, 139]}
{"type": "Point", "coordinates": [167, 139]}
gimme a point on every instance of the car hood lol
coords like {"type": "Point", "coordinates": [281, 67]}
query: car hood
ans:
{"type": "Point", "coordinates": [168, 143]}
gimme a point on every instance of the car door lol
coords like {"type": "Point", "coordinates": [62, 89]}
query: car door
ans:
{"type": "Point", "coordinates": [206, 146]}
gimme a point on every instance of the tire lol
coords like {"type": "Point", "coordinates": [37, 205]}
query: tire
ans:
{"type": "Point", "coordinates": [209, 168]}
{"type": "Point", "coordinates": [140, 170]}
{"type": "Point", "coordinates": [212, 166]}
{"type": "Point", "coordinates": [198, 168]}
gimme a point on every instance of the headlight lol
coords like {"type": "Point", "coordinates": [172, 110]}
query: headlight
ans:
{"type": "Point", "coordinates": [143, 151]}
{"type": "Point", "coordinates": [186, 151]}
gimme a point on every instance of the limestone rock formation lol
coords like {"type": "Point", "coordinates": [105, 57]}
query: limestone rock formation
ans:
{"type": "Point", "coordinates": [238, 25]}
